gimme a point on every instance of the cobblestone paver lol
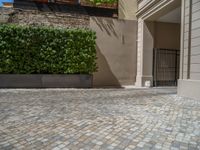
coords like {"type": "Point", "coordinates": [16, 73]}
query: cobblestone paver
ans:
{"type": "Point", "coordinates": [98, 119]}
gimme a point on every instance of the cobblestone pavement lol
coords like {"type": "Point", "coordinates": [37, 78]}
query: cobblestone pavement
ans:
{"type": "Point", "coordinates": [104, 119]}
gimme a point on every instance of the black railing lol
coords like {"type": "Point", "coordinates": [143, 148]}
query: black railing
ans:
{"type": "Point", "coordinates": [166, 67]}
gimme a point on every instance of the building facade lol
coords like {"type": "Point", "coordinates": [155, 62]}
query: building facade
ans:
{"type": "Point", "coordinates": [115, 27]}
{"type": "Point", "coordinates": [6, 3]}
{"type": "Point", "coordinates": [158, 29]}
{"type": "Point", "coordinates": [146, 43]}
{"type": "Point", "coordinates": [175, 16]}
{"type": "Point", "coordinates": [189, 82]}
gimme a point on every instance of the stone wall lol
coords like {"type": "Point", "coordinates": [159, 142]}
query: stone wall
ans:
{"type": "Point", "coordinates": [5, 14]}
{"type": "Point", "coordinates": [55, 19]}
{"type": "Point", "coordinates": [49, 18]}
{"type": "Point", "coordinates": [57, 15]}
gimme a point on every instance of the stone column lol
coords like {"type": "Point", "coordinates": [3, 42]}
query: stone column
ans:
{"type": "Point", "coordinates": [145, 47]}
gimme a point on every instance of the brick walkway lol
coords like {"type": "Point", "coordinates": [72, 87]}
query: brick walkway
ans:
{"type": "Point", "coordinates": [102, 119]}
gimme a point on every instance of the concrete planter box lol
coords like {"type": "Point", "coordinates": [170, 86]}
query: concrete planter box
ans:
{"type": "Point", "coordinates": [45, 81]}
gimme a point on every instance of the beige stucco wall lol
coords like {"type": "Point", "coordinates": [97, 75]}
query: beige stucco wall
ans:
{"type": "Point", "coordinates": [116, 51]}
{"type": "Point", "coordinates": [127, 9]}
{"type": "Point", "coordinates": [167, 35]}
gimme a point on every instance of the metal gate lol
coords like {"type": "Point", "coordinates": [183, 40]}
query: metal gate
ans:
{"type": "Point", "coordinates": [166, 67]}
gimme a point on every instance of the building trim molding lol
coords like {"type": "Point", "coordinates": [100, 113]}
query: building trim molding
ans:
{"type": "Point", "coordinates": [154, 7]}
{"type": "Point", "coordinates": [148, 5]}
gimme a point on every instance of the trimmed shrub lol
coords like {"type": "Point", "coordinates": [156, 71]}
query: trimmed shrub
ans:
{"type": "Point", "coordinates": [44, 50]}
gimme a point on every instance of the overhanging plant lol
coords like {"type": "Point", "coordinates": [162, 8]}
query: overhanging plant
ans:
{"type": "Point", "coordinates": [99, 2]}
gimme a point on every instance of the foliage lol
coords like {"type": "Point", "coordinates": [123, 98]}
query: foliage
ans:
{"type": "Point", "coordinates": [99, 2]}
{"type": "Point", "coordinates": [44, 50]}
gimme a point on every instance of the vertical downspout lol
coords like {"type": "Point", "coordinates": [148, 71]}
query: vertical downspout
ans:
{"type": "Point", "coordinates": [189, 39]}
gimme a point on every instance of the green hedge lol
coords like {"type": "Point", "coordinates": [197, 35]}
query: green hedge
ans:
{"type": "Point", "coordinates": [44, 50]}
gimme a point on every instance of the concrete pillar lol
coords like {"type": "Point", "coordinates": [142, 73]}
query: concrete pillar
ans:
{"type": "Point", "coordinates": [145, 47]}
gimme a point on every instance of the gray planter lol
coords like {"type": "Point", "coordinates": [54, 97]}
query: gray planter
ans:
{"type": "Point", "coordinates": [45, 81]}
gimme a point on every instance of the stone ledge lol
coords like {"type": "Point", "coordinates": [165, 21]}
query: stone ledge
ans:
{"type": "Point", "coordinates": [45, 81]}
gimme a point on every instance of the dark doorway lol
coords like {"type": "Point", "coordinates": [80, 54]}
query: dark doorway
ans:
{"type": "Point", "coordinates": [166, 67]}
